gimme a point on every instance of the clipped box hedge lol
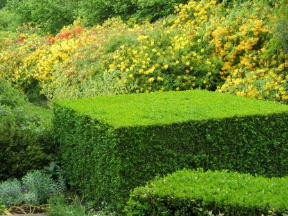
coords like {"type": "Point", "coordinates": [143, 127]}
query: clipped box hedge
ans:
{"type": "Point", "coordinates": [110, 145]}
{"type": "Point", "coordinates": [200, 193]}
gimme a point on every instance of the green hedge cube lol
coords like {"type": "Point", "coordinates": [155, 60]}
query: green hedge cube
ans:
{"type": "Point", "coordinates": [111, 144]}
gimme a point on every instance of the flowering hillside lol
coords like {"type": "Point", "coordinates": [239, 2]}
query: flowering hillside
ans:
{"type": "Point", "coordinates": [237, 49]}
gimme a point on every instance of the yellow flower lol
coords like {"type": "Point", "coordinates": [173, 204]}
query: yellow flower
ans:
{"type": "Point", "coordinates": [151, 79]}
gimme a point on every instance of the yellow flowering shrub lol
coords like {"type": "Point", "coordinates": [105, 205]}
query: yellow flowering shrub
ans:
{"type": "Point", "coordinates": [12, 57]}
{"type": "Point", "coordinates": [30, 60]}
{"type": "Point", "coordinates": [207, 46]}
{"type": "Point", "coordinates": [83, 74]}
{"type": "Point", "coordinates": [171, 57]}
{"type": "Point", "coordinates": [253, 61]}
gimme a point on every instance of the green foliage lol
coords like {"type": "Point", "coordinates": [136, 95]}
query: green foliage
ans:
{"type": "Point", "coordinates": [26, 141]}
{"type": "Point", "coordinates": [97, 11]}
{"type": "Point", "coordinates": [51, 15]}
{"type": "Point", "coordinates": [35, 188]}
{"type": "Point", "coordinates": [282, 26]}
{"type": "Point", "coordinates": [11, 192]}
{"type": "Point", "coordinates": [39, 187]}
{"type": "Point", "coordinates": [56, 173]}
{"type": "Point", "coordinates": [2, 3]}
{"type": "Point", "coordinates": [9, 21]}
{"type": "Point", "coordinates": [189, 192]}
{"type": "Point", "coordinates": [2, 208]}
{"type": "Point", "coordinates": [110, 145]}
{"type": "Point", "coordinates": [154, 9]}
{"type": "Point", "coordinates": [59, 206]}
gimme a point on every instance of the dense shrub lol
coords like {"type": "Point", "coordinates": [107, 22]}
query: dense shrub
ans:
{"type": "Point", "coordinates": [72, 60]}
{"type": "Point", "coordinates": [13, 57]}
{"type": "Point", "coordinates": [51, 15]}
{"type": "Point", "coordinates": [210, 193]}
{"type": "Point", "coordinates": [109, 145]}
{"type": "Point", "coordinates": [97, 11]}
{"type": "Point", "coordinates": [81, 74]}
{"type": "Point", "coordinates": [25, 135]}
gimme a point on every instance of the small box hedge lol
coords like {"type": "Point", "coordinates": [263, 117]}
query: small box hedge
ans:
{"type": "Point", "coordinates": [110, 145]}
{"type": "Point", "coordinates": [200, 193]}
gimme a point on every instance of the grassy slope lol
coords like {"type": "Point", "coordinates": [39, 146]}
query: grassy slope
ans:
{"type": "Point", "coordinates": [169, 107]}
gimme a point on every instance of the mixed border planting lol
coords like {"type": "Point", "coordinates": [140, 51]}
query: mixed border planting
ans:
{"type": "Point", "coordinates": [99, 97]}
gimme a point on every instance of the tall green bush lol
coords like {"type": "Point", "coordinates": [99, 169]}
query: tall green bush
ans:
{"type": "Point", "coordinates": [51, 15]}
{"type": "Point", "coordinates": [26, 141]}
{"type": "Point", "coordinates": [110, 145]}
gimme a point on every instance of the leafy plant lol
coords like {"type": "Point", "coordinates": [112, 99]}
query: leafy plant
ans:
{"type": "Point", "coordinates": [35, 188]}
{"type": "Point", "coordinates": [38, 187]}
{"type": "Point", "coordinates": [59, 206]}
{"type": "Point", "coordinates": [11, 192]}
{"type": "Point", "coordinates": [57, 174]}
{"type": "Point", "coordinates": [2, 208]}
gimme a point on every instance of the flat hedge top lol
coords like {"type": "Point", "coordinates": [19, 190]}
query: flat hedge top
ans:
{"type": "Point", "coordinates": [229, 188]}
{"type": "Point", "coordinates": [169, 107]}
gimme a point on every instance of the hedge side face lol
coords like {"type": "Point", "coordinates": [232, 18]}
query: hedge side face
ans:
{"type": "Point", "coordinates": [105, 158]}
{"type": "Point", "coordinates": [200, 193]}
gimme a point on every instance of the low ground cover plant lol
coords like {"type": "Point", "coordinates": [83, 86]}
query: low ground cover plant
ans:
{"type": "Point", "coordinates": [190, 192]}
{"type": "Point", "coordinates": [109, 145]}
{"type": "Point", "coordinates": [31, 193]}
